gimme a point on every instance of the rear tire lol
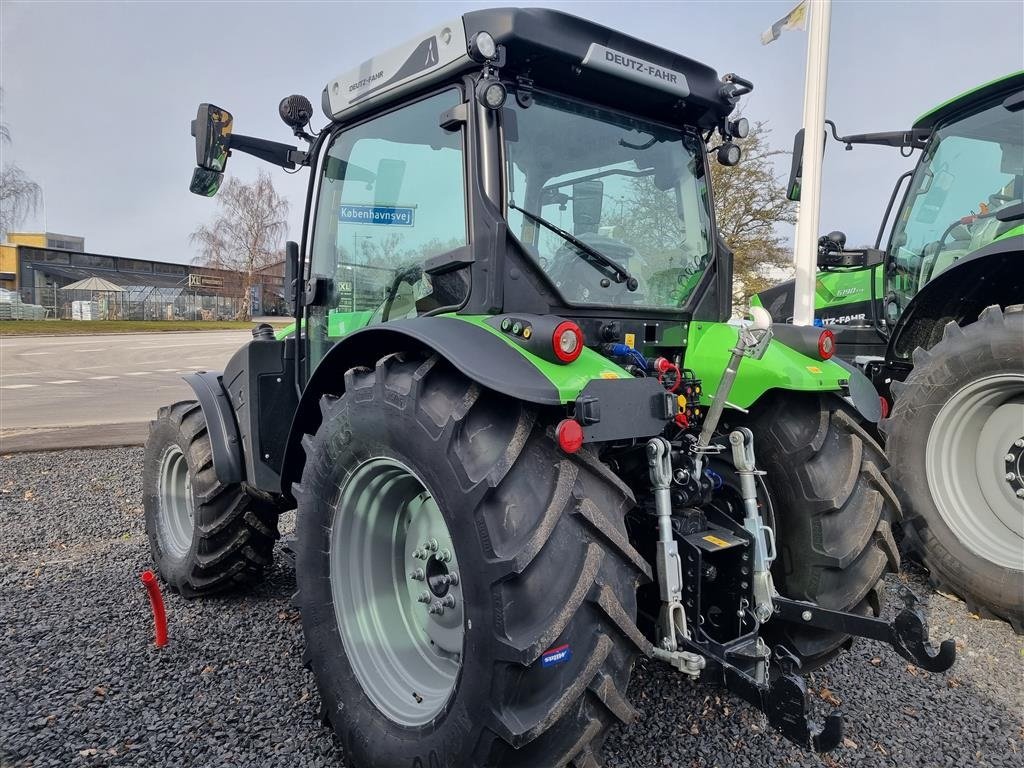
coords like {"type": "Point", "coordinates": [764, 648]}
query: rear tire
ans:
{"type": "Point", "coordinates": [205, 536]}
{"type": "Point", "coordinates": [543, 563]}
{"type": "Point", "coordinates": [954, 427]}
{"type": "Point", "coordinates": [833, 513]}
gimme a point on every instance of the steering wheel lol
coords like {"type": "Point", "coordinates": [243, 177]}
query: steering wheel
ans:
{"type": "Point", "coordinates": [570, 267]}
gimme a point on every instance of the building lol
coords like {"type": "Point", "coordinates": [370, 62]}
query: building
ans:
{"type": "Point", "coordinates": [39, 270]}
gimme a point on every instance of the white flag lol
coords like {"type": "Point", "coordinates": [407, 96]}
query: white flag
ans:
{"type": "Point", "coordinates": [795, 19]}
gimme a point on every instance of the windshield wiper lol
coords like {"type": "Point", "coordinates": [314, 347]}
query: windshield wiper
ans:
{"type": "Point", "coordinates": [619, 273]}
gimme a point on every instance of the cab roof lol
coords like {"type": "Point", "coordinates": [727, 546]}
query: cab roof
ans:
{"type": "Point", "coordinates": [967, 100]}
{"type": "Point", "coordinates": [553, 51]}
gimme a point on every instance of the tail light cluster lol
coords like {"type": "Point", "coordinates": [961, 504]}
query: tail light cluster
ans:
{"type": "Point", "coordinates": [826, 344]}
{"type": "Point", "coordinates": [551, 338]}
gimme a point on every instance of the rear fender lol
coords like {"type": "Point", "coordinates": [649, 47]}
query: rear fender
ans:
{"type": "Point", "coordinates": [472, 346]}
{"type": "Point", "coordinates": [709, 346]}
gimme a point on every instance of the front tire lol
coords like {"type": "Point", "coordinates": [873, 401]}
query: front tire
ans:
{"type": "Point", "coordinates": [414, 460]}
{"type": "Point", "coordinates": [205, 536]}
{"type": "Point", "coordinates": [957, 434]}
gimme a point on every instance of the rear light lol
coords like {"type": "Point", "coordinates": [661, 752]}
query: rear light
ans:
{"type": "Point", "coordinates": [570, 435]}
{"type": "Point", "coordinates": [567, 342]}
{"type": "Point", "coordinates": [826, 345]}
{"type": "Point", "coordinates": [885, 407]}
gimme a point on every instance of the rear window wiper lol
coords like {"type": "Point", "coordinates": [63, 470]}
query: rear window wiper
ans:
{"type": "Point", "coordinates": [617, 272]}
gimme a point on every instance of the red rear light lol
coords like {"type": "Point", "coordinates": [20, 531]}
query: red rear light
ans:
{"type": "Point", "coordinates": [885, 407]}
{"type": "Point", "coordinates": [567, 341]}
{"type": "Point", "coordinates": [826, 344]}
{"type": "Point", "coordinates": [570, 435]}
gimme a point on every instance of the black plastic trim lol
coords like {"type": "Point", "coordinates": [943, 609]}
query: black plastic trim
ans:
{"type": "Point", "coordinates": [220, 424]}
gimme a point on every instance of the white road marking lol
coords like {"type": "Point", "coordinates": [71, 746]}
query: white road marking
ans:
{"type": "Point", "coordinates": [167, 370]}
{"type": "Point", "coordinates": [17, 386]}
{"type": "Point", "coordinates": [32, 354]}
{"type": "Point", "coordinates": [97, 349]}
{"type": "Point", "coordinates": [64, 381]}
{"type": "Point", "coordinates": [139, 373]}
{"type": "Point", "coordinates": [101, 378]}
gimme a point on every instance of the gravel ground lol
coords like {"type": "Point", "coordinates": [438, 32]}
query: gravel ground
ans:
{"type": "Point", "coordinates": [83, 685]}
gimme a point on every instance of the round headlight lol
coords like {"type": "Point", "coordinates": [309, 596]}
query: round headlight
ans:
{"type": "Point", "coordinates": [491, 93]}
{"type": "Point", "coordinates": [740, 128]}
{"type": "Point", "coordinates": [482, 47]}
{"type": "Point", "coordinates": [729, 154]}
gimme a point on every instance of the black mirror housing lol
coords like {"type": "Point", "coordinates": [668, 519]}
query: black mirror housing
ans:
{"type": "Point", "coordinates": [212, 129]}
{"type": "Point", "coordinates": [292, 270]}
{"type": "Point", "coordinates": [863, 258]}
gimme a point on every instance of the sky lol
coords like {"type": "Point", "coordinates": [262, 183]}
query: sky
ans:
{"type": "Point", "coordinates": [98, 96]}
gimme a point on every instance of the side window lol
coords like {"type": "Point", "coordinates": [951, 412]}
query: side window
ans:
{"type": "Point", "coordinates": [392, 196]}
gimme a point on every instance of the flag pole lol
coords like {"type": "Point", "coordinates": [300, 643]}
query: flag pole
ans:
{"type": "Point", "coordinates": [805, 255]}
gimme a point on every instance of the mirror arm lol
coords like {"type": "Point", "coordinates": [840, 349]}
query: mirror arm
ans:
{"type": "Point", "coordinates": [274, 152]}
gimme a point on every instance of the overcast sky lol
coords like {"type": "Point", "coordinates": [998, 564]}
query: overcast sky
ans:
{"type": "Point", "coordinates": [98, 96]}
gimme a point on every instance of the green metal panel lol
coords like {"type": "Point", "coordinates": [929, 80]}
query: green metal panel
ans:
{"type": "Point", "coordinates": [708, 350]}
{"type": "Point", "coordinates": [568, 379]}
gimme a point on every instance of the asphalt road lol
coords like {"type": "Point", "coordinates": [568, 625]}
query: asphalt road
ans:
{"type": "Point", "coordinates": [51, 383]}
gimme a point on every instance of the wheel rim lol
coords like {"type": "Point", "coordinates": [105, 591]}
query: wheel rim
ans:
{"type": "Point", "coordinates": [397, 591]}
{"type": "Point", "coordinates": [973, 462]}
{"type": "Point", "coordinates": [177, 515]}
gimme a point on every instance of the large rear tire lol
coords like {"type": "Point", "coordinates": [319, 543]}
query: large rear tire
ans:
{"type": "Point", "coordinates": [414, 475]}
{"type": "Point", "coordinates": [957, 436]}
{"type": "Point", "coordinates": [832, 510]}
{"type": "Point", "coordinates": [205, 536]}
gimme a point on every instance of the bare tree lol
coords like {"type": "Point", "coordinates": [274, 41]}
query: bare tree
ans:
{"type": "Point", "coordinates": [19, 195]}
{"type": "Point", "coordinates": [246, 234]}
{"type": "Point", "coordinates": [750, 200]}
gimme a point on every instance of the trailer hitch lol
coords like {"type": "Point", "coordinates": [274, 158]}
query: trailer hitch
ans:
{"type": "Point", "coordinates": [907, 633]}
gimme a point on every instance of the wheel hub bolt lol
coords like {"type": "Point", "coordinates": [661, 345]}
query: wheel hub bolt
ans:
{"type": "Point", "coordinates": [424, 597]}
{"type": "Point", "coordinates": [453, 578]}
{"type": "Point", "coordinates": [448, 601]}
{"type": "Point", "coordinates": [436, 607]}
{"type": "Point", "coordinates": [444, 556]}
{"type": "Point", "coordinates": [417, 574]}
{"type": "Point", "coordinates": [431, 545]}
{"type": "Point", "coordinates": [1008, 457]}
{"type": "Point", "coordinates": [1019, 443]}
{"type": "Point", "coordinates": [1010, 476]}
{"type": "Point", "coordinates": [419, 554]}
{"type": "Point", "coordinates": [1020, 493]}
{"type": "Point", "coordinates": [806, 615]}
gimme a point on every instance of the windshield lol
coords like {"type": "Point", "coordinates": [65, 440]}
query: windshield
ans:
{"type": "Point", "coordinates": [972, 169]}
{"type": "Point", "coordinates": [631, 190]}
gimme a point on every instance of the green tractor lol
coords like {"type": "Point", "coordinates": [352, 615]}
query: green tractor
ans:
{"type": "Point", "coordinates": [936, 321]}
{"type": "Point", "coordinates": [517, 428]}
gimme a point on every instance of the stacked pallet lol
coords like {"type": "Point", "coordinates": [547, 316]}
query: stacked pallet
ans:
{"type": "Point", "coordinates": [85, 310]}
{"type": "Point", "coordinates": [11, 308]}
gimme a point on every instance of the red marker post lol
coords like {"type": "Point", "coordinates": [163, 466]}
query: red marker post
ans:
{"type": "Point", "coordinates": [156, 600]}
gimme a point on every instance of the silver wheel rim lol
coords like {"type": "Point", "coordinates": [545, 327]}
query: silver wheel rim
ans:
{"type": "Point", "coordinates": [177, 514]}
{"type": "Point", "coordinates": [973, 465]}
{"type": "Point", "coordinates": [397, 591]}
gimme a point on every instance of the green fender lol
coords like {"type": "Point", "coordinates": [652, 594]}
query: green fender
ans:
{"type": "Point", "coordinates": [709, 346]}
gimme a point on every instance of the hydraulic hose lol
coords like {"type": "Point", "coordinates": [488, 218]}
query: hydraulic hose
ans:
{"type": "Point", "coordinates": [156, 600]}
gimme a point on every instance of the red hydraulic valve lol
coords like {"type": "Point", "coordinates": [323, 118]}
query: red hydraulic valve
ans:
{"type": "Point", "coordinates": [156, 600]}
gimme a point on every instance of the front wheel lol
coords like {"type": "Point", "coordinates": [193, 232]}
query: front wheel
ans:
{"type": "Point", "coordinates": [205, 536]}
{"type": "Point", "coordinates": [468, 592]}
{"type": "Point", "coordinates": [957, 436]}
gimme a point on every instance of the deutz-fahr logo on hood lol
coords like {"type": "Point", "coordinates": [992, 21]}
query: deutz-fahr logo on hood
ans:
{"type": "Point", "coordinates": [640, 71]}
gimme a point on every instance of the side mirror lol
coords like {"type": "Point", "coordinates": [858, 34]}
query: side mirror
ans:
{"type": "Point", "coordinates": [587, 202]}
{"type": "Point", "coordinates": [204, 182]}
{"type": "Point", "coordinates": [830, 256]}
{"type": "Point", "coordinates": [292, 270]}
{"type": "Point", "coordinates": [796, 168]}
{"type": "Point", "coordinates": [212, 129]}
